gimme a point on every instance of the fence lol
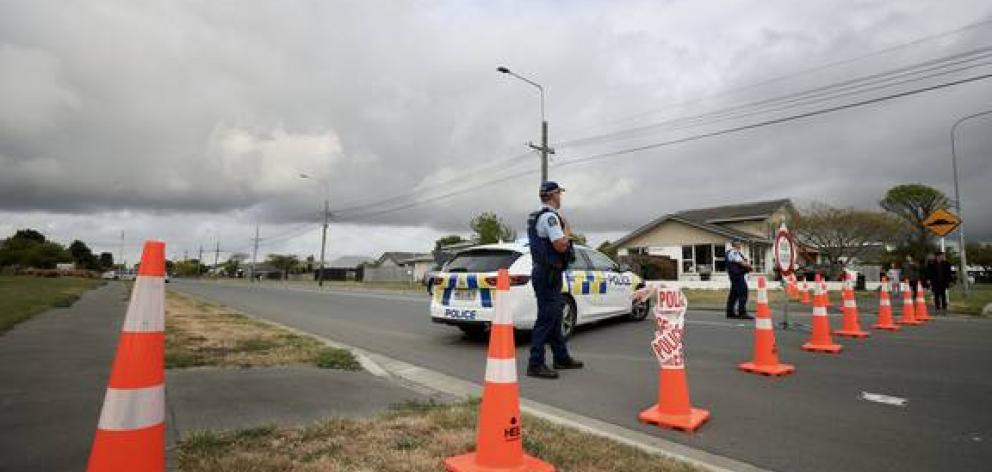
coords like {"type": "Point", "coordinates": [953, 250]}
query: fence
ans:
{"type": "Point", "coordinates": [387, 274]}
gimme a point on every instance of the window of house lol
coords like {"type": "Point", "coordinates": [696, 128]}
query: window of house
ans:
{"type": "Point", "coordinates": [688, 260]}
{"type": "Point", "coordinates": [719, 258]}
{"type": "Point", "coordinates": [704, 257]}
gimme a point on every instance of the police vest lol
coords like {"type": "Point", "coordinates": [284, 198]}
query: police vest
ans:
{"type": "Point", "coordinates": [542, 252]}
{"type": "Point", "coordinates": [735, 268]}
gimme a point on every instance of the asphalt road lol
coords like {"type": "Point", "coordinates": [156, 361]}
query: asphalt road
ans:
{"type": "Point", "coordinates": [814, 420]}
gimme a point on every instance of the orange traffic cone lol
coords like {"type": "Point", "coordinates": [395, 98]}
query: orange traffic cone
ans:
{"type": "Point", "coordinates": [820, 340]}
{"type": "Point", "coordinates": [851, 327]}
{"type": "Point", "coordinates": [498, 440]}
{"type": "Point", "coordinates": [805, 300]}
{"type": "Point", "coordinates": [793, 290]}
{"type": "Point", "coordinates": [908, 313]}
{"type": "Point", "coordinates": [885, 309]}
{"type": "Point", "coordinates": [920, 313]}
{"type": "Point", "coordinates": [673, 409]}
{"type": "Point", "coordinates": [765, 351]}
{"type": "Point", "coordinates": [131, 432]}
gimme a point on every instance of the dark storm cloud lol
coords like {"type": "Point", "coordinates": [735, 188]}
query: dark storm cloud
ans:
{"type": "Point", "coordinates": [190, 108]}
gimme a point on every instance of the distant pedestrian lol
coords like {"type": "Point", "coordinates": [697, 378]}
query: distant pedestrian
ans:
{"type": "Point", "coordinates": [737, 269]}
{"type": "Point", "coordinates": [911, 272]}
{"type": "Point", "coordinates": [940, 278]}
{"type": "Point", "coordinates": [894, 279]}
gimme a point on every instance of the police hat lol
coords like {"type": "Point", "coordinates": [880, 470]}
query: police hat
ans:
{"type": "Point", "coordinates": [549, 187]}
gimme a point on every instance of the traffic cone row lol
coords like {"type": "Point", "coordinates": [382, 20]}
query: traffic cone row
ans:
{"type": "Point", "coordinates": [499, 442]}
{"type": "Point", "coordinates": [885, 309]}
{"type": "Point", "coordinates": [920, 311]}
{"type": "Point", "coordinates": [851, 325]}
{"type": "Point", "coordinates": [908, 311]}
{"type": "Point", "coordinates": [805, 299]}
{"type": "Point", "coordinates": [131, 431]}
{"type": "Point", "coordinates": [820, 340]}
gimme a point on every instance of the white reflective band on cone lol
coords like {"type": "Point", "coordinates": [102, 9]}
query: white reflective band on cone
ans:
{"type": "Point", "coordinates": [132, 408]}
{"type": "Point", "coordinates": [501, 312]}
{"type": "Point", "coordinates": [762, 296]}
{"type": "Point", "coordinates": [763, 323]}
{"type": "Point", "coordinates": [884, 302]}
{"type": "Point", "coordinates": [850, 304]}
{"type": "Point", "coordinates": [819, 311]}
{"type": "Point", "coordinates": [146, 312]}
{"type": "Point", "coordinates": [501, 370]}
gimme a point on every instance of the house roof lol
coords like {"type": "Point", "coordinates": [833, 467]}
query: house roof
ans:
{"type": "Point", "coordinates": [348, 262]}
{"type": "Point", "coordinates": [710, 219]}
{"type": "Point", "coordinates": [399, 257]}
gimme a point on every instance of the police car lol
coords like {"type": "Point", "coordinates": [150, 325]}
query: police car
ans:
{"type": "Point", "coordinates": [594, 288]}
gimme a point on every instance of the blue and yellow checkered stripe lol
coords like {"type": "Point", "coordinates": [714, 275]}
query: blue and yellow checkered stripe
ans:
{"type": "Point", "coordinates": [449, 282]}
{"type": "Point", "coordinates": [584, 282]}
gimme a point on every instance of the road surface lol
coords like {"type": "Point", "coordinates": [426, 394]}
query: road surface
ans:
{"type": "Point", "coordinates": [814, 420]}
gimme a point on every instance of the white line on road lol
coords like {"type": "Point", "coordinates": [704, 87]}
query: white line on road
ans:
{"type": "Point", "coordinates": [884, 399]}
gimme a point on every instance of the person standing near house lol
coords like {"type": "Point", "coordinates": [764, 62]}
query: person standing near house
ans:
{"type": "Point", "coordinates": [737, 269]}
{"type": "Point", "coordinates": [894, 281]}
{"type": "Point", "coordinates": [551, 252]}
{"type": "Point", "coordinates": [939, 275]}
{"type": "Point", "coordinates": [911, 271]}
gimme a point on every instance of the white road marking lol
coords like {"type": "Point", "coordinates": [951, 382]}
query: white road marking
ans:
{"type": "Point", "coordinates": [884, 399]}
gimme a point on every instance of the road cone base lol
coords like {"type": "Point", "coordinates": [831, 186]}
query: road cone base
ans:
{"type": "Point", "coordinates": [910, 322]}
{"type": "Point", "coordinates": [775, 370]}
{"type": "Point", "coordinates": [467, 463]}
{"type": "Point", "coordinates": [852, 334]}
{"type": "Point", "coordinates": [831, 348]}
{"type": "Point", "coordinates": [687, 423]}
{"type": "Point", "coordinates": [890, 327]}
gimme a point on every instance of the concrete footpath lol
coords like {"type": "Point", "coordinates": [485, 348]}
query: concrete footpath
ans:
{"type": "Point", "coordinates": [55, 369]}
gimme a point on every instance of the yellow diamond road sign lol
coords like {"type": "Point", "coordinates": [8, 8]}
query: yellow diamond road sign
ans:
{"type": "Point", "coordinates": [942, 222]}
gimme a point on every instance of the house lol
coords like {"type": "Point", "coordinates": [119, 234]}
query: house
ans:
{"type": "Point", "coordinates": [396, 266]}
{"type": "Point", "coordinates": [344, 268]}
{"type": "Point", "coordinates": [695, 242]}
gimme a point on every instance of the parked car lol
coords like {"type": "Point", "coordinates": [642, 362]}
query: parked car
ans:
{"type": "Point", "coordinates": [595, 288]}
{"type": "Point", "coordinates": [109, 275]}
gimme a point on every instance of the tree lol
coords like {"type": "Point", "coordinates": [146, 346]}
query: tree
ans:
{"type": "Point", "coordinates": [29, 248]}
{"type": "Point", "coordinates": [29, 235]}
{"type": "Point", "coordinates": [233, 263]}
{"type": "Point", "coordinates": [83, 256]}
{"type": "Point", "coordinates": [606, 248]}
{"type": "Point", "coordinates": [283, 262]}
{"type": "Point", "coordinates": [490, 228]}
{"type": "Point", "coordinates": [913, 203]}
{"type": "Point", "coordinates": [980, 255]}
{"type": "Point", "coordinates": [843, 233]}
{"type": "Point", "coordinates": [448, 240]}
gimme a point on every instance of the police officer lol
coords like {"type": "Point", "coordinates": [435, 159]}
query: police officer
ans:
{"type": "Point", "coordinates": [551, 252]}
{"type": "Point", "coordinates": [737, 269]}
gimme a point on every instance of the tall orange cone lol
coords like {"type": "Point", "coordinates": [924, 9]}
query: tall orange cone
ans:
{"type": "Point", "coordinates": [820, 340]}
{"type": "Point", "coordinates": [851, 326]}
{"type": "Point", "coordinates": [908, 313]}
{"type": "Point", "coordinates": [131, 432]}
{"type": "Point", "coordinates": [920, 313]}
{"type": "Point", "coordinates": [793, 290]}
{"type": "Point", "coordinates": [673, 409]}
{"type": "Point", "coordinates": [765, 351]}
{"type": "Point", "coordinates": [885, 309]}
{"type": "Point", "coordinates": [805, 300]}
{"type": "Point", "coordinates": [498, 440]}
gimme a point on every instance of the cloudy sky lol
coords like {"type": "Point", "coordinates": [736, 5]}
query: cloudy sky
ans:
{"type": "Point", "coordinates": [192, 121]}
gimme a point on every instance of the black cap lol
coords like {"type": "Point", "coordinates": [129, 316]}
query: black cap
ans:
{"type": "Point", "coordinates": [550, 187]}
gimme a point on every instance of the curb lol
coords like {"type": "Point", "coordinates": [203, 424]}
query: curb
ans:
{"type": "Point", "coordinates": [439, 385]}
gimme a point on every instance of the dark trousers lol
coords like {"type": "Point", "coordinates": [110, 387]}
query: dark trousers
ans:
{"type": "Point", "coordinates": [547, 328]}
{"type": "Point", "coordinates": [912, 288]}
{"type": "Point", "coordinates": [737, 296]}
{"type": "Point", "coordinates": [939, 297]}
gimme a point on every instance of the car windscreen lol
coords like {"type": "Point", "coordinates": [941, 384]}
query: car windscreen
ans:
{"type": "Point", "coordinates": [482, 260]}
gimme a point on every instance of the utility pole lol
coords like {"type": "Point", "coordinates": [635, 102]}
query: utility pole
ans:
{"type": "Point", "coordinates": [323, 243]}
{"type": "Point", "coordinates": [199, 262]}
{"type": "Point", "coordinates": [545, 150]}
{"type": "Point", "coordinates": [121, 252]}
{"type": "Point", "coordinates": [957, 202]}
{"type": "Point", "coordinates": [254, 254]}
{"type": "Point", "coordinates": [216, 254]}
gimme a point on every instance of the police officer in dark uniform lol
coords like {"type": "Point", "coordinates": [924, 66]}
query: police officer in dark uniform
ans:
{"type": "Point", "coordinates": [551, 252]}
{"type": "Point", "coordinates": [737, 269]}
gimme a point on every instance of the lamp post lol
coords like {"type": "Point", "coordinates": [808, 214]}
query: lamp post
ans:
{"type": "Point", "coordinates": [323, 235]}
{"type": "Point", "coordinates": [545, 150]}
{"type": "Point", "coordinates": [957, 198]}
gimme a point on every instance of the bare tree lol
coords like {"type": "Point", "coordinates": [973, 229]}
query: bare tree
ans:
{"type": "Point", "coordinates": [844, 233]}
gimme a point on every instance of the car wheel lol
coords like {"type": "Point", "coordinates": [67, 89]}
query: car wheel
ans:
{"type": "Point", "coordinates": [569, 318]}
{"type": "Point", "coordinates": [477, 332]}
{"type": "Point", "coordinates": [639, 310]}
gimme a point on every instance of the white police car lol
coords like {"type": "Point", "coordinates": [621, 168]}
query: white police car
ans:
{"type": "Point", "coordinates": [594, 288]}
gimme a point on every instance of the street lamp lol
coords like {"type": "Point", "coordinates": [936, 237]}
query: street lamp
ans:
{"type": "Point", "coordinates": [323, 235]}
{"type": "Point", "coordinates": [545, 150]}
{"type": "Point", "coordinates": [957, 197]}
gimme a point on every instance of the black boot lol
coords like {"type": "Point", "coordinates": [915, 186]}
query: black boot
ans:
{"type": "Point", "coordinates": [570, 363]}
{"type": "Point", "coordinates": [541, 371]}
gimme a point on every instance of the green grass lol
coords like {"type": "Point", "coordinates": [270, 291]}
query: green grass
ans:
{"type": "Point", "coordinates": [980, 296]}
{"type": "Point", "coordinates": [412, 437]}
{"type": "Point", "coordinates": [22, 297]}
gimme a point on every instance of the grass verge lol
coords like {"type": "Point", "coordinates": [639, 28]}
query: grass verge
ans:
{"type": "Point", "coordinates": [203, 334]}
{"type": "Point", "coordinates": [412, 437]}
{"type": "Point", "coordinates": [980, 296]}
{"type": "Point", "coordinates": [22, 297]}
